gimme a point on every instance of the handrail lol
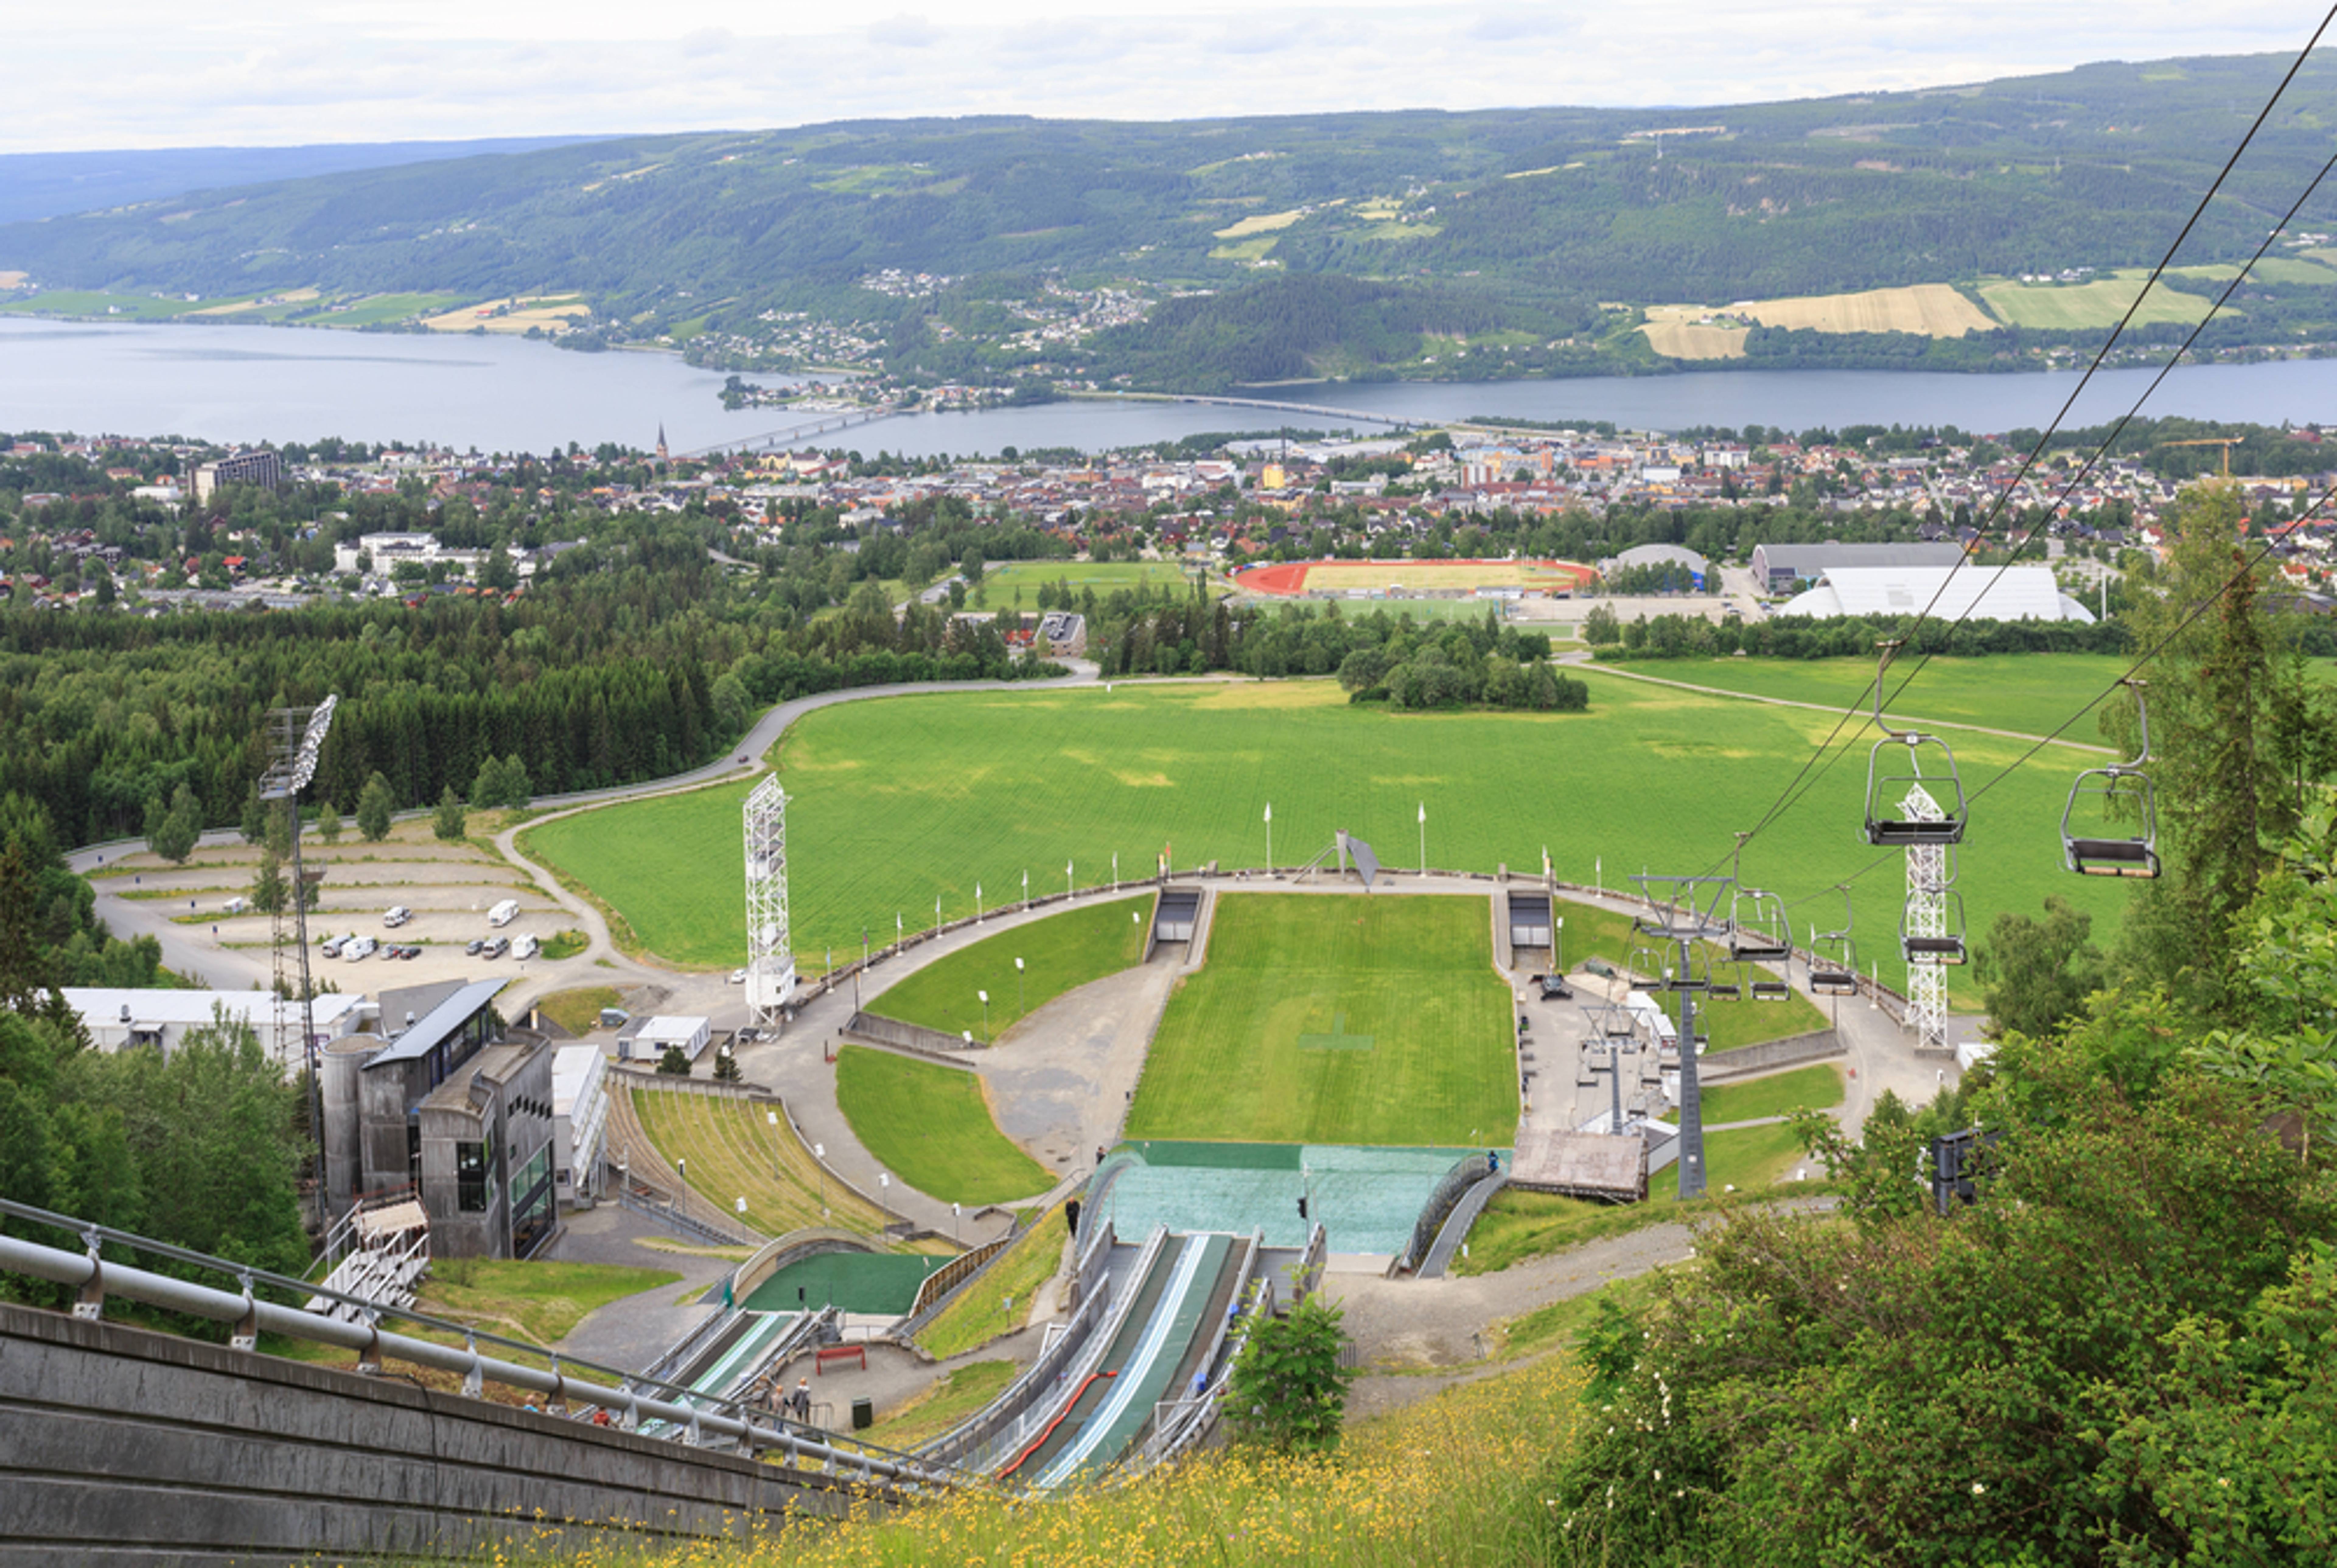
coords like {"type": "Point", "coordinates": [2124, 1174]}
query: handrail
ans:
{"type": "Point", "coordinates": [96, 1279]}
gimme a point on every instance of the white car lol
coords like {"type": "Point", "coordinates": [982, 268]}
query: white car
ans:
{"type": "Point", "coordinates": [398, 915]}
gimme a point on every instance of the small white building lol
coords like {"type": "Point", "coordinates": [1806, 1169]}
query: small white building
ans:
{"type": "Point", "coordinates": [649, 1043]}
{"type": "Point", "coordinates": [580, 1120]}
{"type": "Point", "coordinates": [120, 1019]}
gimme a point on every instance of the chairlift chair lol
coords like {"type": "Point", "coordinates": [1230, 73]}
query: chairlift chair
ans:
{"type": "Point", "coordinates": [1947, 947]}
{"type": "Point", "coordinates": [1727, 984]}
{"type": "Point", "coordinates": [1833, 958]}
{"type": "Point", "coordinates": [1919, 761]}
{"type": "Point", "coordinates": [1758, 928]}
{"type": "Point", "coordinates": [1647, 970]}
{"type": "Point", "coordinates": [2118, 793]}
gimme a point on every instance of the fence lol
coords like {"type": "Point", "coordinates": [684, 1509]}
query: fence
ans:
{"type": "Point", "coordinates": [1466, 1172]}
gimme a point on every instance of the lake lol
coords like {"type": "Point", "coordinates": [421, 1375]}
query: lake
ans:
{"type": "Point", "coordinates": [247, 384]}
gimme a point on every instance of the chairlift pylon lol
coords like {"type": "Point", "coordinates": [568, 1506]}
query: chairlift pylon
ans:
{"type": "Point", "coordinates": [2115, 792]}
{"type": "Point", "coordinates": [1921, 761]}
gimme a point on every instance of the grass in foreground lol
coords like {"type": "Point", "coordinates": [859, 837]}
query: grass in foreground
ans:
{"type": "Point", "coordinates": [735, 1152]}
{"type": "Point", "coordinates": [1059, 953]}
{"type": "Point", "coordinates": [1518, 1225]}
{"type": "Point", "coordinates": [1812, 1088]}
{"type": "Point", "coordinates": [931, 1126]}
{"type": "Point", "coordinates": [895, 802]}
{"type": "Point", "coordinates": [1000, 1301]}
{"type": "Point", "coordinates": [1336, 1020]}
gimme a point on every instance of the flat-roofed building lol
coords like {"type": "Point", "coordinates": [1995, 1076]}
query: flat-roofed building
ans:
{"type": "Point", "coordinates": [121, 1018]}
{"type": "Point", "coordinates": [580, 1120]}
{"type": "Point", "coordinates": [1777, 567]}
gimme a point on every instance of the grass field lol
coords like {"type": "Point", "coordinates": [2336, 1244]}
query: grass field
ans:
{"type": "Point", "coordinates": [1057, 953]}
{"type": "Point", "coordinates": [1260, 223]}
{"type": "Point", "coordinates": [539, 1301]}
{"type": "Point", "coordinates": [895, 802]}
{"type": "Point", "coordinates": [1927, 310]}
{"type": "Point", "coordinates": [2082, 306]}
{"type": "Point", "coordinates": [1002, 577]}
{"type": "Point", "coordinates": [735, 1152]}
{"type": "Point", "coordinates": [1000, 1301]}
{"type": "Point", "coordinates": [930, 1127]}
{"type": "Point", "coordinates": [579, 1011]}
{"type": "Point", "coordinates": [1336, 1020]}
{"type": "Point", "coordinates": [952, 1399]}
{"type": "Point", "coordinates": [1812, 1088]}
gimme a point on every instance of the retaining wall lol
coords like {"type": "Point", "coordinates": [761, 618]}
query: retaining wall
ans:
{"type": "Point", "coordinates": [1768, 1055]}
{"type": "Point", "coordinates": [119, 1446]}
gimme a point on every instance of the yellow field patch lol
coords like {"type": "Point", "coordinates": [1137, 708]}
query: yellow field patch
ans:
{"type": "Point", "coordinates": [1275, 694]}
{"type": "Point", "coordinates": [517, 314]}
{"type": "Point", "coordinates": [1928, 309]}
{"type": "Point", "coordinates": [1681, 332]}
{"type": "Point", "coordinates": [1144, 780]}
{"type": "Point", "coordinates": [1260, 223]}
{"type": "Point", "coordinates": [1342, 574]}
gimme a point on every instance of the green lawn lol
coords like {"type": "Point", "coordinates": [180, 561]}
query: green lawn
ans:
{"type": "Point", "coordinates": [930, 1127]}
{"type": "Point", "coordinates": [896, 802]}
{"type": "Point", "coordinates": [1336, 1020]}
{"type": "Point", "coordinates": [542, 1302]}
{"type": "Point", "coordinates": [952, 1397]}
{"type": "Point", "coordinates": [1057, 953]}
{"type": "Point", "coordinates": [1003, 577]}
{"type": "Point", "coordinates": [1000, 1301]}
{"type": "Point", "coordinates": [1812, 1088]}
{"type": "Point", "coordinates": [2099, 303]}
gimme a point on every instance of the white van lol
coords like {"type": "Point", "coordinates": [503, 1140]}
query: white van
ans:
{"type": "Point", "coordinates": [525, 946]}
{"type": "Point", "coordinates": [398, 915]}
{"type": "Point", "coordinates": [235, 907]}
{"type": "Point", "coordinates": [505, 913]}
{"type": "Point", "coordinates": [362, 947]}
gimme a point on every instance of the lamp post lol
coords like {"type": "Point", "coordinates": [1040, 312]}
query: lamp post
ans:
{"type": "Point", "coordinates": [1115, 868]}
{"type": "Point", "coordinates": [773, 1118]}
{"type": "Point", "coordinates": [985, 1015]}
{"type": "Point", "coordinates": [1269, 838]}
{"type": "Point", "coordinates": [820, 1158]}
{"type": "Point", "coordinates": [1018, 985]}
{"type": "Point", "coordinates": [1026, 889]}
{"type": "Point", "coordinates": [899, 931]}
{"type": "Point", "coordinates": [1423, 838]}
{"type": "Point", "coordinates": [937, 912]}
{"type": "Point", "coordinates": [1071, 883]}
{"type": "Point", "coordinates": [954, 1228]}
{"type": "Point", "coordinates": [1560, 924]}
{"type": "Point", "coordinates": [977, 903]}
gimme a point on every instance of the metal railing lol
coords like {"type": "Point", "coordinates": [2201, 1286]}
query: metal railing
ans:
{"type": "Point", "coordinates": [623, 1394]}
{"type": "Point", "coordinates": [1466, 1172]}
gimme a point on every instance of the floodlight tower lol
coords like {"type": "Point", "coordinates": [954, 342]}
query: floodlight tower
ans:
{"type": "Point", "coordinates": [770, 954]}
{"type": "Point", "coordinates": [1927, 916]}
{"type": "Point", "coordinates": [295, 737]}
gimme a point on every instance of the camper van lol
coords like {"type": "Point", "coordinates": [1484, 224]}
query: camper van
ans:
{"type": "Point", "coordinates": [525, 948]}
{"type": "Point", "coordinates": [397, 914]}
{"type": "Point", "coordinates": [363, 947]}
{"type": "Point", "coordinates": [505, 913]}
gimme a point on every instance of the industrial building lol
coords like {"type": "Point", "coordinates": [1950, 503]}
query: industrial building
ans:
{"type": "Point", "coordinates": [1946, 592]}
{"type": "Point", "coordinates": [1777, 567]}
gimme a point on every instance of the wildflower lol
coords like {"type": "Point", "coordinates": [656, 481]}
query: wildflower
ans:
{"type": "Point", "coordinates": [1979, 1489]}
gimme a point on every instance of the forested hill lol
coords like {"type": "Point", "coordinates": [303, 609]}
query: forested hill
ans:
{"type": "Point", "coordinates": [1534, 214]}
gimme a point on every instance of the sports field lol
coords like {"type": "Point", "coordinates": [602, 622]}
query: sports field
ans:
{"type": "Point", "coordinates": [1379, 577]}
{"type": "Point", "coordinates": [1348, 1020]}
{"type": "Point", "coordinates": [1059, 953]}
{"type": "Point", "coordinates": [1003, 577]}
{"type": "Point", "coordinates": [2071, 307]}
{"type": "Point", "coordinates": [929, 1125]}
{"type": "Point", "coordinates": [899, 800]}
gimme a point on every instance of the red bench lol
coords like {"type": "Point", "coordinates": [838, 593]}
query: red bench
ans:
{"type": "Point", "coordinates": [827, 1353]}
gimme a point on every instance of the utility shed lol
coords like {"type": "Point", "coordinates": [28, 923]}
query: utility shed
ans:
{"type": "Point", "coordinates": [649, 1041]}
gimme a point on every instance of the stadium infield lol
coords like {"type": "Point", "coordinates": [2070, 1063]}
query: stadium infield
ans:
{"type": "Point", "coordinates": [1293, 577]}
{"type": "Point", "coordinates": [1331, 1020]}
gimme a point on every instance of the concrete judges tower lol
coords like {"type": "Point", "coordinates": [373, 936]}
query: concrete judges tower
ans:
{"type": "Point", "coordinates": [770, 958]}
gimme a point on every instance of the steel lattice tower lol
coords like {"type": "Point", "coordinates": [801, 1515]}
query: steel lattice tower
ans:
{"type": "Point", "coordinates": [1927, 916]}
{"type": "Point", "coordinates": [296, 737]}
{"type": "Point", "coordinates": [770, 954]}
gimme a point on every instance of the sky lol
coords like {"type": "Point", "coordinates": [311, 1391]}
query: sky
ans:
{"type": "Point", "coordinates": [129, 73]}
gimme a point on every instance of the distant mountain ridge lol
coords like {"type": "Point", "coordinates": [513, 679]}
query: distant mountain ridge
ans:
{"type": "Point", "coordinates": [948, 247]}
{"type": "Point", "coordinates": [56, 184]}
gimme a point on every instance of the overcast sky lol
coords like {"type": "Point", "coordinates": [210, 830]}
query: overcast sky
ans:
{"type": "Point", "coordinates": [163, 73]}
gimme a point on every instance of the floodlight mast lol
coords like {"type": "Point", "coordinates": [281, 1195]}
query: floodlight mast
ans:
{"type": "Point", "coordinates": [770, 954]}
{"type": "Point", "coordinates": [296, 737]}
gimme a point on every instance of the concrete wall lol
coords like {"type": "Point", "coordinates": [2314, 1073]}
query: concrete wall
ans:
{"type": "Point", "coordinates": [1768, 1055]}
{"type": "Point", "coordinates": [120, 1447]}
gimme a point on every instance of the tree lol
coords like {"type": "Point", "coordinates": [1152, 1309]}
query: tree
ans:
{"type": "Point", "coordinates": [2035, 975]}
{"type": "Point", "coordinates": [1287, 1390]}
{"type": "Point", "coordinates": [674, 1063]}
{"type": "Point", "coordinates": [447, 821]}
{"type": "Point", "coordinates": [172, 831]}
{"type": "Point", "coordinates": [254, 824]}
{"type": "Point", "coordinates": [2235, 736]}
{"type": "Point", "coordinates": [726, 1066]}
{"type": "Point", "coordinates": [268, 887]}
{"type": "Point", "coordinates": [376, 809]}
{"type": "Point", "coordinates": [329, 822]}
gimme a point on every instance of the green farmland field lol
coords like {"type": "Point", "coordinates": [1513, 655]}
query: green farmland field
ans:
{"type": "Point", "coordinates": [1003, 577]}
{"type": "Point", "coordinates": [2078, 307]}
{"type": "Point", "coordinates": [1336, 1019]}
{"type": "Point", "coordinates": [1057, 953]}
{"type": "Point", "coordinates": [931, 1126]}
{"type": "Point", "coordinates": [896, 801]}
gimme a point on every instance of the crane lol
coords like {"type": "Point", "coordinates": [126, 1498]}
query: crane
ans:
{"type": "Point", "coordinates": [2225, 442]}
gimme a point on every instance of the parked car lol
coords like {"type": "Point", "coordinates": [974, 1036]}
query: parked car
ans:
{"type": "Point", "coordinates": [526, 945]}
{"type": "Point", "coordinates": [360, 948]}
{"type": "Point", "coordinates": [332, 947]}
{"type": "Point", "coordinates": [471, 948]}
{"type": "Point", "coordinates": [496, 947]}
{"type": "Point", "coordinates": [398, 915]}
